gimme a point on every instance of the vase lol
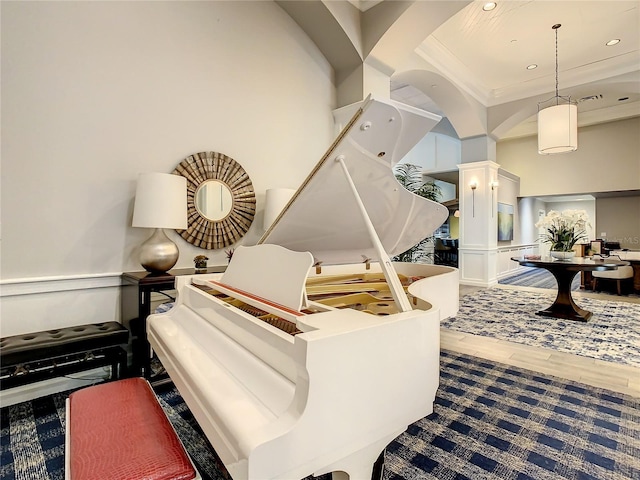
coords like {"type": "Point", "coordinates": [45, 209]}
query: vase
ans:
{"type": "Point", "coordinates": [562, 255]}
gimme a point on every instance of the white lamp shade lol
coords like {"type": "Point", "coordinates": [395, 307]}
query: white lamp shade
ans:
{"type": "Point", "coordinates": [558, 129]}
{"type": "Point", "coordinates": [161, 201]}
{"type": "Point", "coordinates": [276, 199]}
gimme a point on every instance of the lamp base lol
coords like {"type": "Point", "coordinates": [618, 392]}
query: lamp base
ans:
{"type": "Point", "coordinates": [158, 254]}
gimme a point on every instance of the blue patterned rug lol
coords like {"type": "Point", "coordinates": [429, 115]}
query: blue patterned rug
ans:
{"type": "Point", "coordinates": [538, 278]}
{"type": "Point", "coordinates": [541, 278]}
{"type": "Point", "coordinates": [612, 334]}
{"type": "Point", "coordinates": [490, 421]}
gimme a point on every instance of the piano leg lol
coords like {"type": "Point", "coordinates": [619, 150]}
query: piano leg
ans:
{"type": "Point", "coordinates": [377, 471]}
{"type": "Point", "coordinates": [378, 468]}
{"type": "Point", "coordinates": [366, 464]}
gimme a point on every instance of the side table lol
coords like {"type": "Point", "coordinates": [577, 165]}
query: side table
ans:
{"type": "Point", "coordinates": [135, 304]}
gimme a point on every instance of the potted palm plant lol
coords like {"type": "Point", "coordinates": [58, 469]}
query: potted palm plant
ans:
{"type": "Point", "coordinates": [410, 177]}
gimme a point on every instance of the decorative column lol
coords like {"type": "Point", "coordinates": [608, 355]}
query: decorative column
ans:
{"type": "Point", "coordinates": [478, 242]}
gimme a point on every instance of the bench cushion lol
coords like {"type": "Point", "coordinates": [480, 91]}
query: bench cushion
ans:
{"type": "Point", "coordinates": [118, 431]}
{"type": "Point", "coordinates": [34, 346]}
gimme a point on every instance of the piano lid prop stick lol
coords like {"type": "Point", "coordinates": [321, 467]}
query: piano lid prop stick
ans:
{"type": "Point", "coordinates": [385, 262]}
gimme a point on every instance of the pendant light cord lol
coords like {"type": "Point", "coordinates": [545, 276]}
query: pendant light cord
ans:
{"type": "Point", "coordinates": [556, 27]}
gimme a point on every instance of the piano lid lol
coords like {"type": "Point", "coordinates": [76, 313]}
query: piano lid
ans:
{"type": "Point", "coordinates": [323, 217]}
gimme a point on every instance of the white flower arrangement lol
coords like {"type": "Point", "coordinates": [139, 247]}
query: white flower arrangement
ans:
{"type": "Point", "coordinates": [565, 229]}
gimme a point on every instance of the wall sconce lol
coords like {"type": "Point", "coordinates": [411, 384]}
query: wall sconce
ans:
{"type": "Point", "coordinates": [473, 186]}
{"type": "Point", "coordinates": [493, 184]}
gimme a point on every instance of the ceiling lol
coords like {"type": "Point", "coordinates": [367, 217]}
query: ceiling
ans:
{"type": "Point", "coordinates": [470, 65]}
{"type": "Point", "coordinates": [486, 54]}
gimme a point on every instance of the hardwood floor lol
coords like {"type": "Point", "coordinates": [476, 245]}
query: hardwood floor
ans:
{"type": "Point", "coordinates": [613, 376]}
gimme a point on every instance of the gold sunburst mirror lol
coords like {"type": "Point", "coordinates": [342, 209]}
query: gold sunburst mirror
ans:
{"type": "Point", "coordinates": [221, 202]}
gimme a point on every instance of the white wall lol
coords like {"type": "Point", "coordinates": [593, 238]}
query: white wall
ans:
{"type": "Point", "coordinates": [448, 191]}
{"type": "Point", "coordinates": [93, 93]}
{"type": "Point", "coordinates": [529, 209]}
{"type": "Point", "coordinates": [435, 153]}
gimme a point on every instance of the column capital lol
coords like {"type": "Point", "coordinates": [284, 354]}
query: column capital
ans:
{"type": "Point", "coordinates": [488, 164]}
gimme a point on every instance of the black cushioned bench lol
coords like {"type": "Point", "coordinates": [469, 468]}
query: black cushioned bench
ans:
{"type": "Point", "coordinates": [36, 356]}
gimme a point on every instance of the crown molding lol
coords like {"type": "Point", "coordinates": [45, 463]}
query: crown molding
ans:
{"type": "Point", "coordinates": [582, 78]}
{"type": "Point", "coordinates": [435, 53]}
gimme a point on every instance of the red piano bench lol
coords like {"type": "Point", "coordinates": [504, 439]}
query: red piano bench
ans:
{"type": "Point", "coordinates": [118, 431]}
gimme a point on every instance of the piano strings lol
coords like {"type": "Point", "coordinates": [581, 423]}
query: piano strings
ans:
{"type": "Point", "coordinates": [368, 293]}
{"type": "Point", "coordinates": [280, 323]}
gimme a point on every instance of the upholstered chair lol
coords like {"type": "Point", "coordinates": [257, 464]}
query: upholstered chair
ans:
{"type": "Point", "coordinates": [620, 274]}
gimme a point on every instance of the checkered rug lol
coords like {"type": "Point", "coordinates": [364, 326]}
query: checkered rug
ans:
{"type": "Point", "coordinates": [611, 334]}
{"type": "Point", "coordinates": [490, 421]}
{"type": "Point", "coordinates": [493, 421]}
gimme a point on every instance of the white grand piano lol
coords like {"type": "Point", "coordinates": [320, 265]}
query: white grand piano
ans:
{"type": "Point", "coordinates": [313, 350]}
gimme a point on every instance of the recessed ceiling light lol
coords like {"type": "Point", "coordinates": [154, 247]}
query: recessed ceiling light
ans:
{"type": "Point", "coordinates": [612, 42]}
{"type": "Point", "coordinates": [532, 66]}
{"type": "Point", "coordinates": [489, 6]}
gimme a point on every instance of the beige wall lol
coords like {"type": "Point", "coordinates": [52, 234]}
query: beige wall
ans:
{"type": "Point", "coordinates": [619, 219]}
{"type": "Point", "coordinates": [94, 93]}
{"type": "Point", "coordinates": [607, 159]}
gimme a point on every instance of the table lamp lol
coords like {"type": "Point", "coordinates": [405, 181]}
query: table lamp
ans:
{"type": "Point", "coordinates": [275, 201]}
{"type": "Point", "coordinates": [161, 202]}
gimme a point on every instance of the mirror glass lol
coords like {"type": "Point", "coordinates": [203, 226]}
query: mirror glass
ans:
{"type": "Point", "coordinates": [221, 202]}
{"type": "Point", "coordinates": [214, 200]}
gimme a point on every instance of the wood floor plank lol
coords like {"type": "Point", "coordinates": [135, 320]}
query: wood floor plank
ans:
{"type": "Point", "coordinates": [591, 371]}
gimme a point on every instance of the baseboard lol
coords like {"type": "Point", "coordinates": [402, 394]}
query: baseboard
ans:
{"type": "Point", "coordinates": [24, 393]}
{"type": "Point", "coordinates": [479, 283]}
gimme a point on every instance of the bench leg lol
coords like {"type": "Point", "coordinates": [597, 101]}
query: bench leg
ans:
{"type": "Point", "coordinates": [118, 363]}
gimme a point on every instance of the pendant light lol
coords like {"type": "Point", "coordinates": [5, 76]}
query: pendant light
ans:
{"type": "Point", "coordinates": [558, 123]}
